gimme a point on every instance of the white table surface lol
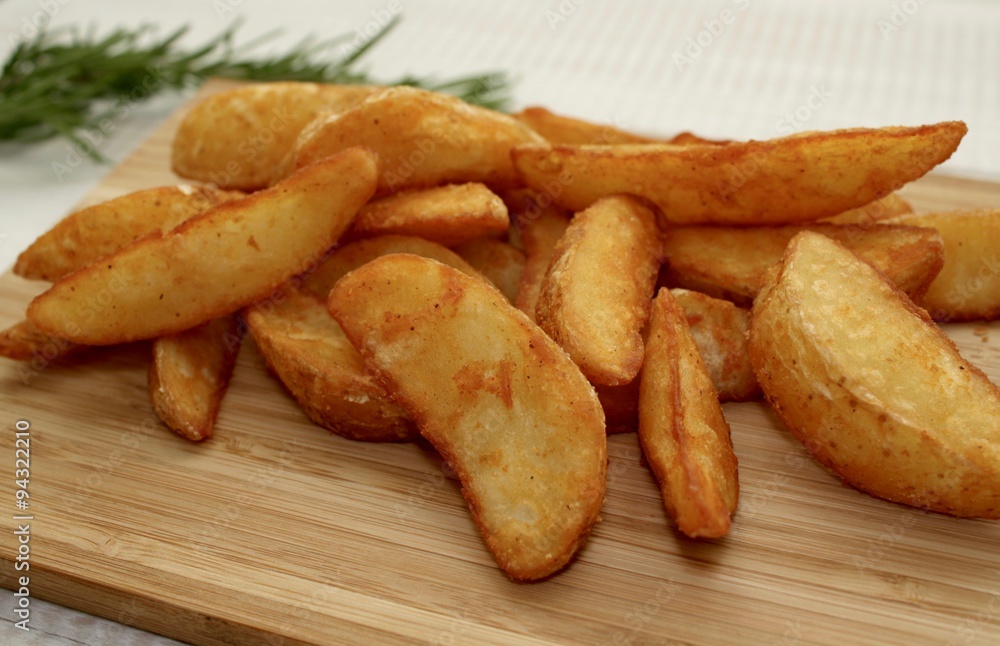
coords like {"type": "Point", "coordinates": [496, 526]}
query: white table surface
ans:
{"type": "Point", "coordinates": [833, 63]}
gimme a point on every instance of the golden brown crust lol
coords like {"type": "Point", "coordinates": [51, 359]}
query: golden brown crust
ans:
{"type": "Point", "coordinates": [594, 299]}
{"type": "Point", "coordinates": [189, 375]}
{"type": "Point", "coordinates": [526, 434]}
{"type": "Point", "coordinates": [87, 235]}
{"type": "Point", "coordinates": [884, 400]}
{"type": "Point", "coordinates": [731, 262]}
{"type": "Point", "coordinates": [683, 434]}
{"type": "Point", "coordinates": [236, 139]}
{"type": "Point", "coordinates": [423, 139]}
{"type": "Point", "coordinates": [213, 264]}
{"type": "Point", "coordinates": [778, 181]}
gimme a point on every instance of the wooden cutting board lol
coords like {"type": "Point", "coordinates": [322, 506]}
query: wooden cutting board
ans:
{"type": "Point", "coordinates": [276, 532]}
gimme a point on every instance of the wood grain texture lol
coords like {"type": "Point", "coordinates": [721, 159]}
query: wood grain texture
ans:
{"type": "Point", "coordinates": [274, 531]}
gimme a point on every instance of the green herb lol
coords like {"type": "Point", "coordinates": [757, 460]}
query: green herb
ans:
{"type": "Point", "coordinates": [66, 83]}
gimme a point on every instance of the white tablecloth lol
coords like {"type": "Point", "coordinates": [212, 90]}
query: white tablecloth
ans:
{"type": "Point", "coordinates": [725, 68]}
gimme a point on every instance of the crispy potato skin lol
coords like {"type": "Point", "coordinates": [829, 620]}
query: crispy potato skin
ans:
{"type": "Point", "coordinates": [540, 230]}
{"type": "Point", "coordinates": [189, 375]}
{"type": "Point", "coordinates": [883, 400]}
{"type": "Point", "coordinates": [558, 129]}
{"type": "Point", "coordinates": [731, 262]}
{"type": "Point", "coordinates": [500, 401]}
{"type": "Point", "coordinates": [719, 330]}
{"type": "Point", "coordinates": [780, 181]}
{"type": "Point", "coordinates": [595, 297]}
{"type": "Point", "coordinates": [213, 264]}
{"type": "Point", "coordinates": [423, 139]}
{"type": "Point", "coordinates": [448, 215]}
{"type": "Point", "coordinates": [691, 139]}
{"type": "Point", "coordinates": [683, 434]}
{"type": "Point", "coordinates": [497, 260]}
{"type": "Point", "coordinates": [236, 139]}
{"type": "Point", "coordinates": [884, 208]}
{"type": "Point", "coordinates": [312, 357]}
{"type": "Point", "coordinates": [968, 287]}
{"type": "Point", "coordinates": [348, 257]}
{"type": "Point", "coordinates": [89, 234]}
{"type": "Point", "coordinates": [24, 342]}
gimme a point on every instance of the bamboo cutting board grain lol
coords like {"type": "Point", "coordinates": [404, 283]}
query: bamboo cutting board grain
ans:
{"type": "Point", "coordinates": [276, 532]}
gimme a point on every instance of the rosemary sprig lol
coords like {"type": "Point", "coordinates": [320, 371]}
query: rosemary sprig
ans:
{"type": "Point", "coordinates": [66, 83]}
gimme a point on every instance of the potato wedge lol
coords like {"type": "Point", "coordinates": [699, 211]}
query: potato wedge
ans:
{"type": "Point", "coordinates": [691, 139]}
{"type": "Point", "coordinates": [871, 387]}
{"type": "Point", "coordinates": [557, 129]}
{"type": "Point", "coordinates": [448, 215]}
{"type": "Point", "coordinates": [213, 264]}
{"type": "Point", "coordinates": [89, 234]}
{"type": "Point", "coordinates": [881, 209]}
{"type": "Point", "coordinates": [968, 286]}
{"type": "Point", "coordinates": [190, 373]}
{"type": "Point", "coordinates": [500, 401]}
{"type": "Point", "coordinates": [236, 139]}
{"type": "Point", "coordinates": [779, 181]}
{"type": "Point", "coordinates": [497, 260]}
{"type": "Point", "coordinates": [24, 342]}
{"type": "Point", "coordinates": [683, 434]}
{"type": "Point", "coordinates": [594, 299]}
{"type": "Point", "coordinates": [731, 262]}
{"type": "Point", "coordinates": [540, 230]}
{"type": "Point", "coordinates": [350, 256]}
{"type": "Point", "coordinates": [309, 353]}
{"type": "Point", "coordinates": [422, 138]}
{"type": "Point", "coordinates": [719, 330]}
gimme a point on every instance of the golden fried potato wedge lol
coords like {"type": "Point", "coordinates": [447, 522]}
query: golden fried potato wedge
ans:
{"type": "Point", "coordinates": [190, 373]}
{"type": "Point", "coordinates": [497, 260]}
{"type": "Point", "coordinates": [499, 400]}
{"type": "Point", "coordinates": [594, 299]}
{"type": "Point", "coordinates": [352, 255]}
{"type": "Point", "coordinates": [213, 264]}
{"type": "Point", "coordinates": [540, 230]}
{"type": "Point", "coordinates": [422, 138]}
{"type": "Point", "coordinates": [881, 209]}
{"type": "Point", "coordinates": [779, 181]}
{"type": "Point", "coordinates": [24, 342]}
{"type": "Point", "coordinates": [309, 353]}
{"type": "Point", "coordinates": [449, 215]}
{"type": "Point", "coordinates": [719, 330]}
{"type": "Point", "coordinates": [89, 234]}
{"type": "Point", "coordinates": [968, 286]}
{"type": "Point", "coordinates": [558, 129]}
{"type": "Point", "coordinates": [683, 434]}
{"type": "Point", "coordinates": [691, 139]}
{"type": "Point", "coordinates": [236, 139]}
{"type": "Point", "coordinates": [312, 357]}
{"type": "Point", "coordinates": [872, 387]}
{"type": "Point", "coordinates": [731, 262]}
